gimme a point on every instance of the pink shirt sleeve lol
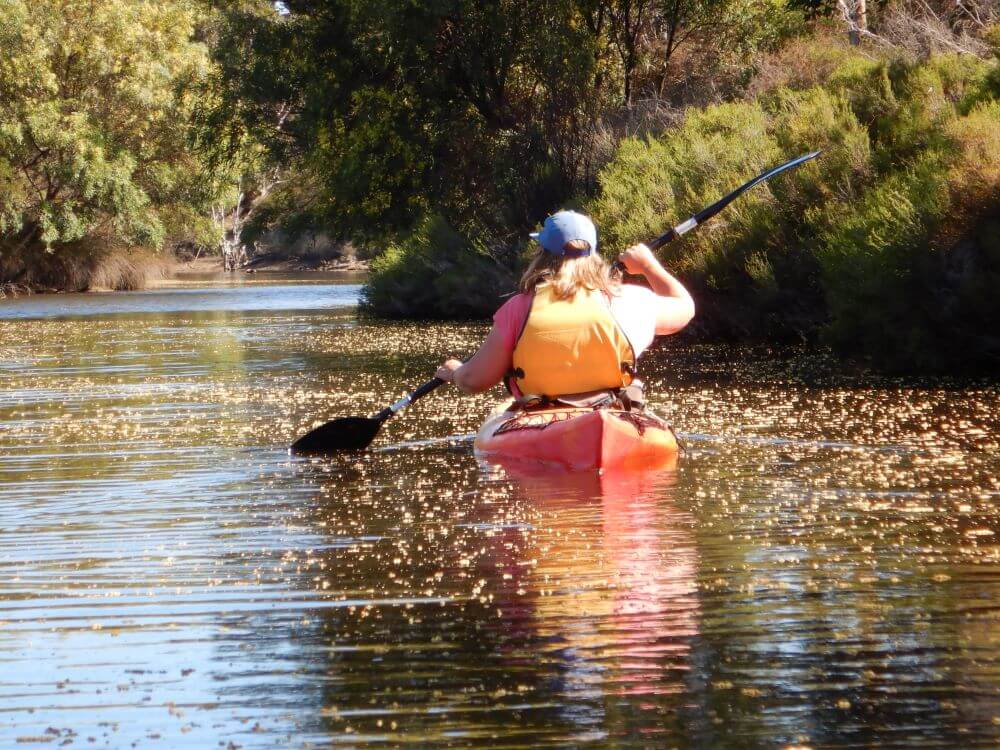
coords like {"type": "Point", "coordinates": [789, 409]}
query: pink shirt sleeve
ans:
{"type": "Point", "coordinates": [509, 319]}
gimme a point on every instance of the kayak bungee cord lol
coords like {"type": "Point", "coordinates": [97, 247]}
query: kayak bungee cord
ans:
{"type": "Point", "coordinates": [357, 433]}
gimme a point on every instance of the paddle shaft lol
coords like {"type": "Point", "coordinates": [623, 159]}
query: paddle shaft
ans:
{"type": "Point", "coordinates": [707, 213]}
{"type": "Point", "coordinates": [420, 392]}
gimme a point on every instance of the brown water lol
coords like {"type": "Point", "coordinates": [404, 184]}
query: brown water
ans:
{"type": "Point", "coordinates": [821, 571]}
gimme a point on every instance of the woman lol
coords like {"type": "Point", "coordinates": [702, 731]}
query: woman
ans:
{"type": "Point", "coordinates": [573, 330]}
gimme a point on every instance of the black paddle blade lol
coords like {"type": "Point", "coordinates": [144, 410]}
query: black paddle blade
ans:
{"type": "Point", "coordinates": [347, 434]}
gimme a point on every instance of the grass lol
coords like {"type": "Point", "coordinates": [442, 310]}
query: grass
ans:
{"type": "Point", "coordinates": [79, 268]}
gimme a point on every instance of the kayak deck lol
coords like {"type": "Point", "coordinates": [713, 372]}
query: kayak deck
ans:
{"type": "Point", "coordinates": [578, 439]}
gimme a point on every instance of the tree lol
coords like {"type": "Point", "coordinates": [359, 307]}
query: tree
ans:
{"type": "Point", "coordinates": [240, 133]}
{"type": "Point", "coordinates": [396, 107]}
{"type": "Point", "coordinates": [95, 100]}
{"type": "Point", "coordinates": [922, 26]}
{"type": "Point", "coordinates": [486, 114]}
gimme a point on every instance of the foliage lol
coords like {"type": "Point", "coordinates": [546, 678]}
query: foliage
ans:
{"type": "Point", "coordinates": [94, 104]}
{"type": "Point", "coordinates": [399, 122]}
{"type": "Point", "coordinates": [444, 131]}
{"type": "Point", "coordinates": [991, 35]}
{"type": "Point", "coordinates": [398, 110]}
{"type": "Point", "coordinates": [437, 271]}
{"type": "Point", "coordinates": [882, 246]}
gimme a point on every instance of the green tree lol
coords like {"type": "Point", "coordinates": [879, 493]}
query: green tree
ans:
{"type": "Point", "coordinates": [488, 115]}
{"type": "Point", "coordinates": [641, 38]}
{"type": "Point", "coordinates": [401, 108]}
{"type": "Point", "coordinates": [478, 117]}
{"type": "Point", "coordinates": [95, 101]}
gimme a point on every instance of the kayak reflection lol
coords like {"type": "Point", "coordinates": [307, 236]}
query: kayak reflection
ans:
{"type": "Point", "coordinates": [615, 567]}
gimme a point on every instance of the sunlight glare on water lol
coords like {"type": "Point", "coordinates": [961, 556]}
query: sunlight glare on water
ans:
{"type": "Point", "coordinates": [822, 569]}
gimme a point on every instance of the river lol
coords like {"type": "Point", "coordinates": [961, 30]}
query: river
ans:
{"type": "Point", "coordinates": [822, 570]}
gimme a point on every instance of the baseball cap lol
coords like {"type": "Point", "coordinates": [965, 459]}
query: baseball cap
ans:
{"type": "Point", "coordinates": [563, 227]}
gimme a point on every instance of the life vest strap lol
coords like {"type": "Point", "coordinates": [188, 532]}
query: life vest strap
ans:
{"type": "Point", "coordinates": [629, 398]}
{"type": "Point", "coordinates": [510, 380]}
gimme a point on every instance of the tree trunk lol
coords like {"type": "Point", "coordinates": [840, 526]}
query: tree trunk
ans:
{"type": "Point", "coordinates": [855, 13]}
{"type": "Point", "coordinates": [234, 252]}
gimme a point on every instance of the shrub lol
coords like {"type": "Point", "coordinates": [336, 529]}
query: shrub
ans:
{"type": "Point", "coordinates": [868, 257]}
{"type": "Point", "coordinates": [976, 138]}
{"type": "Point", "coordinates": [439, 272]}
{"type": "Point", "coordinates": [991, 35]}
{"type": "Point", "coordinates": [804, 62]}
{"type": "Point", "coordinates": [653, 183]}
{"type": "Point", "coordinates": [881, 247]}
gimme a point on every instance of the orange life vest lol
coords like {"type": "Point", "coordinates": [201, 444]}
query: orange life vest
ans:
{"type": "Point", "coordinates": [570, 346]}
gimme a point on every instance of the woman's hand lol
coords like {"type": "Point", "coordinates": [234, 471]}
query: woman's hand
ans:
{"type": "Point", "coordinates": [638, 259]}
{"type": "Point", "coordinates": [446, 371]}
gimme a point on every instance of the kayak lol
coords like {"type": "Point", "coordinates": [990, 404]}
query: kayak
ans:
{"type": "Point", "coordinates": [578, 439]}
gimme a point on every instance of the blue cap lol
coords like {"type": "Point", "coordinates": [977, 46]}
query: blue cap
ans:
{"type": "Point", "coordinates": [563, 227]}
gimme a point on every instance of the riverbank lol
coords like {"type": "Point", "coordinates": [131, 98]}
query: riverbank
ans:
{"type": "Point", "coordinates": [83, 268]}
{"type": "Point", "coordinates": [270, 263]}
{"type": "Point", "coordinates": [124, 273]}
{"type": "Point", "coordinates": [277, 262]}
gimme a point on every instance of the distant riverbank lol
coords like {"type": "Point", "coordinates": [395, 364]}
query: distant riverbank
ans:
{"type": "Point", "coordinates": [149, 271]}
{"type": "Point", "coordinates": [270, 263]}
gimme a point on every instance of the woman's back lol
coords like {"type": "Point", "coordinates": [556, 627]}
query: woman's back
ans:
{"type": "Point", "coordinates": [583, 328]}
{"type": "Point", "coordinates": [570, 345]}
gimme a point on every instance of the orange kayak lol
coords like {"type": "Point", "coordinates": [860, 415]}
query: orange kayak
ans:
{"type": "Point", "coordinates": [578, 439]}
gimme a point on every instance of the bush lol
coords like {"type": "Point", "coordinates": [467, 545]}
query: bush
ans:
{"type": "Point", "coordinates": [653, 183]}
{"type": "Point", "coordinates": [438, 272]}
{"type": "Point", "coordinates": [881, 247]}
{"type": "Point", "coordinates": [868, 257]}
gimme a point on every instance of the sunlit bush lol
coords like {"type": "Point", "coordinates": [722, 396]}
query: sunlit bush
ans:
{"type": "Point", "coordinates": [878, 247]}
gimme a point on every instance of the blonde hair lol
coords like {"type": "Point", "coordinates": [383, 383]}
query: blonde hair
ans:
{"type": "Point", "coordinates": [568, 274]}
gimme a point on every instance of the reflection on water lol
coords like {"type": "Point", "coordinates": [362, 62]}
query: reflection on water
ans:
{"type": "Point", "coordinates": [821, 570]}
{"type": "Point", "coordinates": [182, 295]}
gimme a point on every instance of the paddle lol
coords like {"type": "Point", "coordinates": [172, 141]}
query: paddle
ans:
{"type": "Point", "coordinates": [355, 433]}
{"type": "Point", "coordinates": [705, 214]}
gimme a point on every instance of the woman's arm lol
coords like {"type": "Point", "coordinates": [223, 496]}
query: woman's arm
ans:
{"type": "Point", "coordinates": [486, 368]}
{"type": "Point", "coordinates": [675, 306]}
